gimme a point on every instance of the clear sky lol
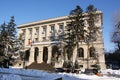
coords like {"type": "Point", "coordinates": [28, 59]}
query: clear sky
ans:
{"type": "Point", "coordinates": [26, 11]}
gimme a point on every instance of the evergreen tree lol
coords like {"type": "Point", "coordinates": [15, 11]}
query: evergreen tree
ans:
{"type": "Point", "coordinates": [92, 30]}
{"type": "Point", "coordinates": [76, 27]}
{"type": "Point", "coordinates": [77, 32]}
{"type": "Point", "coordinates": [7, 38]}
{"type": "Point", "coordinates": [11, 30]}
{"type": "Point", "coordinates": [7, 34]}
{"type": "Point", "coordinates": [69, 40]}
{"type": "Point", "coordinates": [3, 35]}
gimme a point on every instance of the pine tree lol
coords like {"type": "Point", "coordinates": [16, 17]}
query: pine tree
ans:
{"type": "Point", "coordinates": [11, 30]}
{"type": "Point", "coordinates": [76, 27]}
{"type": "Point", "coordinates": [7, 38]}
{"type": "Point", "coordinates": [92, 31]}
{"type": "Point", "coordinates": [75, 32]}
{"type": "Point", "coordinates": [69, 40]}
{"type": "Point", "coordinates": [3, 35]}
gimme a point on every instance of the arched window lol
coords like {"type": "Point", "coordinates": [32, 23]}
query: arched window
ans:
{"type": "Point", "coordinates": [80, 52]}
{"type": "Point", "coordinates": [92, 51]}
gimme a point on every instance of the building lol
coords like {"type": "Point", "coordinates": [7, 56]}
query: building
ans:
{"type": "Point", "coordinates": [43, 40]}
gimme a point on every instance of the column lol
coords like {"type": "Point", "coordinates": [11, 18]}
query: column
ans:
{"type": "Point", "coordinates": [101, 58]}
{"type": "Point", "coordinates": [49, 54]}
{"type": "Point", "coordinates": [74, 55]}
{"type": "Point", "coordinates": [40, 55]}
{"type": "Point", "coordinates": [31, 58]}
{"type": "Point", "coordinates": [26, 37]}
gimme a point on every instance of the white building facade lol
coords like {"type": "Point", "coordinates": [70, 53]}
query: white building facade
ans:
{"type": "Point", "coordinates": [44, 41]}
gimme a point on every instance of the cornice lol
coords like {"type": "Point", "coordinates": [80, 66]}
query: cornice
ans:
{"type": "Point", "coordinates": [51, 20]}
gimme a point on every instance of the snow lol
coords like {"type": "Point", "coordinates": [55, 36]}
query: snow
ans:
{"type": "Point", "coordinates": [111, 72]}
{"type": "Point", "coordinates": [10, 77]}
{"type": "Point", "coordinates": [22, 74]}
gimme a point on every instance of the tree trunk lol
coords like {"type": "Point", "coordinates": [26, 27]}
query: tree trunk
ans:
{"type": "Point", "coordinates": [119, 46]}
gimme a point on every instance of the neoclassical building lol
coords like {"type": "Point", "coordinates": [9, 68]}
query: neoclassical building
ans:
{"type": "Point", "coordinates": [43, 39]}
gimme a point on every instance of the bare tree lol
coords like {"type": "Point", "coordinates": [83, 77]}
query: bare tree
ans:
{"type": "Point", "coordinates": [116, 30]}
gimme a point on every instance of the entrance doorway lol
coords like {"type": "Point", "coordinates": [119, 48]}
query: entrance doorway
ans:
{"type": "Point", "coordinates": [54, 51]}
{"type": "Point", "coordinates": [45, 54]}
{"type": "Point", "coordinates": [54, 55]}
{"type": "Point", "coordinates": [36, 53]}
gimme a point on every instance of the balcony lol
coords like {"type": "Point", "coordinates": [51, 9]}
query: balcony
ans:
{"type": "Point", "coordinates": [44, 39]}
{"type": "Point", "coordinates": [53, 38]}
{"type": "Point", "coordinates": [43, 34]}
{"type": "Point", "coordinates": [36, 35]}
{"type": "Point", "coordinates": [23, 37]}
{"type": "Point", "coordinates": [60, 31]}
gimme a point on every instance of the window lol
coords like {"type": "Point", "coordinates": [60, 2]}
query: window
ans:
{"type": "Point", "coordinates": [60, 37]}
{"type": "Point", "coordinates": [44, 29]}
{"type": "Point", "coordinates": [29, 41]}
{"type": "Point", "coordinates": [36, 39]}
{"type": "Point", "coordinates": [30, 31]}
{"type": "Point", "coordinates": [90, 23]}
{"type": "Point", "coordinates": [44, 33]}
{"type": "Point", "coordinates": [37, 30]}
{"type": "Point", "coordinates": [44, 38]}
{"type": "Point", "coordinates": [97, 18]}
{"type": "Point", "coordinates": [23, 32]}
{"type": "Point", "coordinates": [61, 27]}
{"type": "Point", "coordinates": [81, 66]}
{"type": "Point", "coordinates": [92, 51]}
{"type": "Point", "coordinates": [52, 28]}
{"type": "Point", "coordinates": [80, 52]}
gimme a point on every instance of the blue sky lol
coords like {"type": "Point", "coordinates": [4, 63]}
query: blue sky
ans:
{"type": "Point", "coordinates": [26, 11]}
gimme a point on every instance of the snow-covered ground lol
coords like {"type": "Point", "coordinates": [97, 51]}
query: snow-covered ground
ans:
{"type": "Point", "coordinates": [21, 74]}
